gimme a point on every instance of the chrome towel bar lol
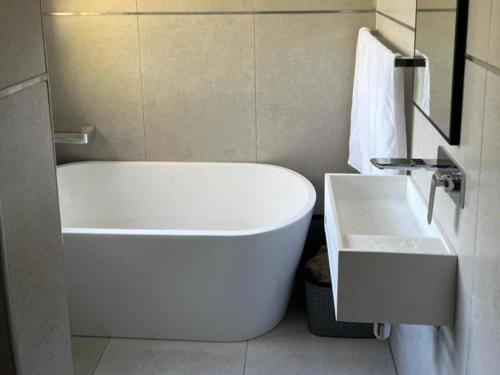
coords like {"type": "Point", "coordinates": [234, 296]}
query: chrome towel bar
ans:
{"type": "Point", "coordinates": [409, 62]}
{"type": "Point", "coordinates": [86, 135]}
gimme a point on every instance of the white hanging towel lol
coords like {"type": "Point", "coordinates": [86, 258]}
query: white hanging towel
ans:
{"type": "Point", "coordinates": [378, 125]}
{"type": "Point", "coordinates": [422, 85]}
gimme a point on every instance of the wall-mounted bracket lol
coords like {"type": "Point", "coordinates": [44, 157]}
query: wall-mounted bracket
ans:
{"type": "Point", "coordinates": [457, 194]}
{"type": "Point", "coordinates": [86, 135]}
{"type": "Point", "coordinates": [410, 62]}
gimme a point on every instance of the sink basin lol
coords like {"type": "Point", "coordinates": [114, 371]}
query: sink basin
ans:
{"type": "Point", "coordinates": [387, 264]}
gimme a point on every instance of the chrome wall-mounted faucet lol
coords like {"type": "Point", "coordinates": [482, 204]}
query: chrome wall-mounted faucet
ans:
{"type": "Point", "coordinates": [411, 164]}
{"type": "Point", "coordinates": [447, 174]}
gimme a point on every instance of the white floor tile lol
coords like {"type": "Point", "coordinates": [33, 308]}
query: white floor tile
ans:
{"type": "Point", "coordinates": [86, 353]}
{"type": "Point", "coordinates": [157, 357]}
{"type": "Point", "coordinates": [291, 349]}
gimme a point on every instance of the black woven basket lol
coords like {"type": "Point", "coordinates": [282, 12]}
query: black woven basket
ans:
{"type": "Point", "coordinates": [321, 313]}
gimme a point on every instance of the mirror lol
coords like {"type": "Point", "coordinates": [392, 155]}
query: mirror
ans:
{"type": "Point", "coordinates": [440, 42]}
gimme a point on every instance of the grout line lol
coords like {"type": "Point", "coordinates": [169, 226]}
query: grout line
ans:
{"type": "Point", "coordinates": [440, 10]}
{"type": "Point", "coordinates": [489, 67]}
{"type": "Point", "coordinates": [245, 364]}
{"type": "Point", "coordinates": [202, 13]}
{"type": "Point", "coordinates": [20, 86]}
{"type": "Point", "coordinates": [490, 27]}
{"type": "Point", "coordinates": [406, 26]}
{"type": "Point", "coordinates": [332, 11]}
{"type": "Point", "coordinates": [255, 89]}
{"type": "Point", "coordinates": [144, 143]}
{"type": "Point", "coordinates": [100, 357]}
{"type": "Point", "coordinates": [392, 356]}
{"type": "Point", "coordinates": [49, 97]}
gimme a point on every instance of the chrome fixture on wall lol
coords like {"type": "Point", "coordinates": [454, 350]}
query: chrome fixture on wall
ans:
{"type": "Point", "coordinates": [447, 174]}
{"type": "Point", "coordinates": [409, 62]}
{"type": "Point", "coordinates": [409, 164]}
{"type": "Point", "coordinates": [381, 331]}
{"type": "Point", "coordinates": [451, 182]}
{"type": "Point", "coordinates": [86, 135]}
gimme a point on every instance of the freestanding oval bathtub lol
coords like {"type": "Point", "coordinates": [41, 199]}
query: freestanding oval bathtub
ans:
{"type": "Point", "coordinates": [185, 251]}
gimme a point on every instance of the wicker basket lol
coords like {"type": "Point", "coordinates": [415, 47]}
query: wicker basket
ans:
{"type": "Point", "coordinates": [321, 313]}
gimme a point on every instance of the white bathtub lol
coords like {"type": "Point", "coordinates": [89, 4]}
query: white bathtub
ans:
{"type": "Point", "coordinates": [187, 251]}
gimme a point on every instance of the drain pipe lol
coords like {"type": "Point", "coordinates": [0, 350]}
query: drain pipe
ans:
{"type": "Point", "coordinates": [382, 331]}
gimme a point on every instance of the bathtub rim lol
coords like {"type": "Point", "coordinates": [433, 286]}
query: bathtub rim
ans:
{"type": "Point", "coordinates": [305, 211]}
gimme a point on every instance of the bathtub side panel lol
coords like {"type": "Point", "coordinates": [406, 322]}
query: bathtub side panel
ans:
{"type": "Point", "coordinates": [177, 287]}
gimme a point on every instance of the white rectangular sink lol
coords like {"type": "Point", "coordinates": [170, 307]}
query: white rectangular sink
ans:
{"type": "Point", "coordinates": [388, 265]}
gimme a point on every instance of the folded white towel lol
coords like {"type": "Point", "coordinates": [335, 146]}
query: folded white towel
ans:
{"type": "Point", "coordinates": [378, 125]}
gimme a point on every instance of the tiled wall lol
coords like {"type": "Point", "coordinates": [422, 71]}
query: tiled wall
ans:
{"type": "Point", "coordinates": [30, 232]}
{"type": "Point", "coordinates": [471, 345]}
{"type": "Point", "coordinates": [270, 81]}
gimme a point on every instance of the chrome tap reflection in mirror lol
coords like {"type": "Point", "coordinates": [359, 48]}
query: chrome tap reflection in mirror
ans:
{"type": "Point", "coordinates": [438, 84]}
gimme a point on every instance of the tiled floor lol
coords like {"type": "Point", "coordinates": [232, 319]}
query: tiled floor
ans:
{"type": "Point", "coordinates": [289, 349]}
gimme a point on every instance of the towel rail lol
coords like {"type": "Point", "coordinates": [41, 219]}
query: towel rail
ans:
{"type": "Point", "coordinates": [409, 62]}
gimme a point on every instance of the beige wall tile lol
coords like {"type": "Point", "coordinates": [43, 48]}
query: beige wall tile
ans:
{"type": "Point", "coordinates": [402, 10]}
{"type": "Point", "coordinates": [199, 87]}
{"type": "Point", "coordinates": [32, 235]}
{"type": "Point", "coordinates": [436, 4]}
{"type": "Point", "coordinates": [89, 5]}
{"type": "Point", "coordinates": [479, 28]}
{"type": "Point", "coordinates": [485, 331]}
{"type": "Point", "coordinates": [95, 80]}
{"type": "Point", "coordinates": [436, 40]}
{"type": "Point", "coordinates": [305, 69]}
{"type": "Point", "coordinates": [195, 5]}
{"type": "Point", "coordinates": [395, 36]}
{"type": "Point", "coordinates": [459, 226]}
{"type": "Point", "coordinates": [287, 5]}
{"type": "Point", "coordinates": [21, 41]}
{"type": "Point", "coordinates": [87, 352]}
{"type": "Point", "coordinates": [494, 55]}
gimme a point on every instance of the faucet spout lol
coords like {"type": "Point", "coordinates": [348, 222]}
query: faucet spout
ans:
{"type": "Point", "coordinates": [447, 174]}
{"type": "Point", "coordinates": [411, 164]}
